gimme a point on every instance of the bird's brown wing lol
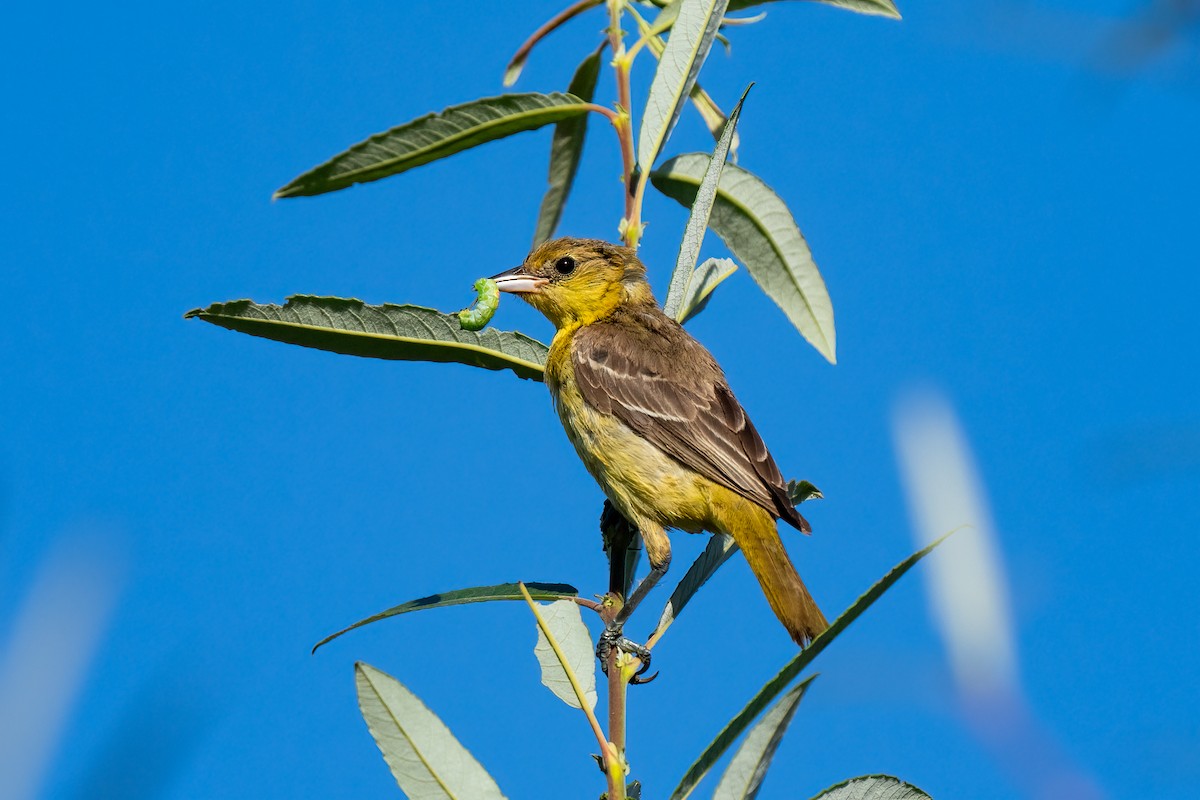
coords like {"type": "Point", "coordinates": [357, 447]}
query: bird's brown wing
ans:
{"type": "Point", "coordinates": [643, 368]}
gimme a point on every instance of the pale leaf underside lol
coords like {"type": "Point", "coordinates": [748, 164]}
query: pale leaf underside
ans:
{"type": "Point", "coordinates": [759, 230]}
{"type": "Point", "coordinates": [425, 758]}
{"type": "Point", "coordinates": [697, 224]}
{"type": "Point", "coordinates": [706, 277]}
{"type": "Point", "coordinates": [692, 35]}
{"type": "Point", "coordinates": [566, 626]}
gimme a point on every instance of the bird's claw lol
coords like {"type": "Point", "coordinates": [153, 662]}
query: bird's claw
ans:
{"type": "Point", "coordinates": [613, 637]}
{"type": "Point", "coordinates": [638, 680]}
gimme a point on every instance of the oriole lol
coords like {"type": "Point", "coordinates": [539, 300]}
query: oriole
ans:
{"type": "Point", "coordinates": [649, 411]}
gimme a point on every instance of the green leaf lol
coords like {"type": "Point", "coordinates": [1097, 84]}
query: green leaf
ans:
{"type": "Point", "coordinates": [706, 278]}
{"type": "Point", "coordinates": [791, 670]}
{"type": "Point", "coordinates": [800, 491]}
{"type": "Point", "coordinates": [426, 760]}
{"type": "Point", "coordinates": [720, 548]}
{"type": "Point", "coordinates": [565, 624]}
{"type": "Point", "coordinates": [749, 764]}
{"type": "Point", "coordinates": [873, 787]}
{"type": "Point", "coordinates": [435, 136]}
{"type": "Point", "coordinates": [714, 118]}
{"type": "Point", "coordinates": [877, 8]}
{"type": "Point", "coordinates": [566, 149]}
{"type": "Point", "coordinates": [394, 332]}
{"type": "Point", "coordinates": [691, 38]}
{"type": "Point", "coordinates": [585, 699]}
{"type": "Point", "coordinates": [759, 230]}
{"type": "Point", "coordinates": [697, 224]}
{"type": "Point", "coordinates": [458, 597]}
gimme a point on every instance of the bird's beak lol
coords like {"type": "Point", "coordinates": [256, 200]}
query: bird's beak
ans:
{"type": "Point", "coordinates": [518, 281]}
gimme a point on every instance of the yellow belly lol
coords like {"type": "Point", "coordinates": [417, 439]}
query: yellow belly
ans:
{"type": "Point", "coordinates": [643, 483]}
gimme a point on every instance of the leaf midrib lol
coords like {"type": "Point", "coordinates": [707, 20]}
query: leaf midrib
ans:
{"type": "Point", "coordinates": [678, 94]}
{"type": "Point", "coordinates": [408, 738]}
{"type": "Point", "coordinates": [385, 337]}
{"type": "Point", "coordinates": [413, 155]}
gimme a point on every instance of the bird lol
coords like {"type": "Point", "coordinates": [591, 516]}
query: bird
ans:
{"type": "Point", "coordinates": [652, 417]}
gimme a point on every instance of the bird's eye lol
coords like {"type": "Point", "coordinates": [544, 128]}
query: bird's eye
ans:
{"type": "Point", "coordinates": [565, 265]}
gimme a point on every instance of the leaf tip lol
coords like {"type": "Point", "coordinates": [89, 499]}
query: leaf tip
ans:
{"type": "Point", "coordinates": [511, 73]}
{"type": "Point", "coordinates": [888, 9]}
{"type": "Point", "coordinates": [826, 346]}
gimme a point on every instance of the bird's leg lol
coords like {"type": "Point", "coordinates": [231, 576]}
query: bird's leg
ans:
{"type": "Point", "coordinates": [612, 637]}
{"type": "Point", "coordinates": [658, 547]}
{"type": "Point", "coordinates": [643, 589]}
{"type": "Point", "coordinates": [621, 546]}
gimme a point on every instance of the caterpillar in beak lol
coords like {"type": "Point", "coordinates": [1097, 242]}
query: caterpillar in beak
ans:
{"type": "Point", "coordinates": [487, 299]}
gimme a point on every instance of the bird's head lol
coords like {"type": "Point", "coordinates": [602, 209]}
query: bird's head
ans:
{"type": "Point", "coordinates": [577, 281]}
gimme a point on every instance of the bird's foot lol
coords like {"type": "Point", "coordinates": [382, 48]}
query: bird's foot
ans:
{"type": "Point", "coordinates": [613, 636]}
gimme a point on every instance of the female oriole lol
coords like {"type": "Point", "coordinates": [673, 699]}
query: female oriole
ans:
{"type": "Point", "coordinates": [651, 414]}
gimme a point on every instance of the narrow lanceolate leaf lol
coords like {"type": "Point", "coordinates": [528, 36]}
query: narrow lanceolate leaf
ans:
{"type": "Point", "coordinates": [566, 148]}
{"type": "Point", "coordinates": [759, 230]}
{"type": "Point", "coordinates": [713, 117]}
{"type": "Point", "coordinates": [774, 687]}
{"type": "Point", "coordinates": [877, 8]}
{"type": "Point", "coordinates": [394, 332]}
{"type": "Point", "coordinates": [423, 755]}
{"type": "Point", "coordinates": [476, 594]}
{"type": "Point", "coordinates": [873, 787]}
{"type": "Point", "coordinates": [435, 136]}
{"type": "Point", "coordinates": [706, 278]}
{"type": "Point", "coordinates": [564, 622]}
{"type": "Point", "coordinates": [691, 38]}
{"type": "Point", "coordinates": [697, 224]}
{"type": "Point", "coordinates": [720, 549]}
{"type": "Point", "coordinates": [749, 764]}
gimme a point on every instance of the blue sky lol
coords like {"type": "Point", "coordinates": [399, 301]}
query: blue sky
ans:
{"type": "Point", "coordinates": [1000, 210]}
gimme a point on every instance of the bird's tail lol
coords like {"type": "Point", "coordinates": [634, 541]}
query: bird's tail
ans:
{"type": "Point", "coordinates": [755, 533]}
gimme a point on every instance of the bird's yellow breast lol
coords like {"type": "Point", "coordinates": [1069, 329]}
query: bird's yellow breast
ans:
{"type": "Point", "coordinates": [643, 482]}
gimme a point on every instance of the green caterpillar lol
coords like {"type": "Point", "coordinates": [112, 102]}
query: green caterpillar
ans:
{"type": "Point", "coordinates": [481, 311]}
